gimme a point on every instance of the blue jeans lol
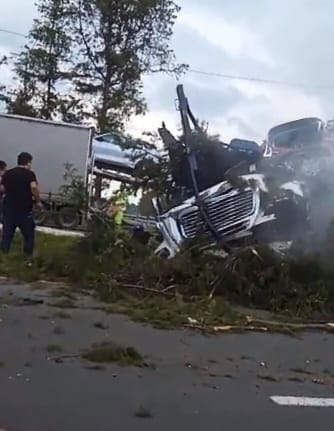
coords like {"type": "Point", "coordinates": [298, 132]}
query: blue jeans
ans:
{"type": "Point", "coordinates": [25, 222]}
{"type": "Point", "coordinates": [1, 208]}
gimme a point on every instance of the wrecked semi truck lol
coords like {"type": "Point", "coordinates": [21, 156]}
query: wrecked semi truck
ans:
{"type": "Point", "coordinates": [230, 199]}
{"type": "Point", "coordinates": [219, 192]}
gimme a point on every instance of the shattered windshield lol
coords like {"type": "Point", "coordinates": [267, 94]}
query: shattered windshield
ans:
{"type": "Point", "coordinates": [110, 138]}
{"type": "Point", "coordinates": [296, 136]}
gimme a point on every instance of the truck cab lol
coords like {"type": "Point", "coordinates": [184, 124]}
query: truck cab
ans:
{"type": "Point", "coordinates": [299, 146]}
{"type": "Point", "coordinates": [303, 134]}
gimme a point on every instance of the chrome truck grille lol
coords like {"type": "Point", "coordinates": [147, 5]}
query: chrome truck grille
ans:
{"type": "Point", "coordinates": [228, 214]}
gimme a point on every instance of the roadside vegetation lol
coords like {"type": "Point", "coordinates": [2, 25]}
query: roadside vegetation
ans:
{"type": "Point", "coordinates": [196, 289]}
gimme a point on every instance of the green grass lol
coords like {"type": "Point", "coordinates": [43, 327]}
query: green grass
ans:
{"type": "Point", "coordinates": [54, 348]}
{"type": "Point", "coordinates": [108, 352]}
{"type": "Point", "coordinates": [56, 261]}
{"type": "Point", "coordinates": [63, 303]}
{"type": "Point", "coordinates": [201, 288]}
{"type": "Point", "coordinates": [64, 292]}
{"type": "Point", "coordinates": [51, 261]}
{"type": "Point", "coordinates": [172, 313]}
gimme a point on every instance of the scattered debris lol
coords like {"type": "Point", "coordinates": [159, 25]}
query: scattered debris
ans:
{"type": "Point", "coordinates": [100, 325]}
{"type": "Point", "coordinates": [192, 366]}
{"type": "Point", "coordinates": [63, 292]}
{"type": "Point", "coordinates": [54, 348]}
{"type": "Point", "coordinates": [63, 303]}
{"type": "Point", "coordinates": [210, 386]}
{"type": "Point", "coordinates": [95, 367]}
{"type": "Point", "coordinates": [60, 359]}
{"type": "Point", "coordinates": [296, 379]}
{"type": "Point", "coordinates": [62, 315]}
{"type": "Point", "coordinates": [143, 413]}
{"type": "Point", "coordinates": [58, 330]}
{"type": "Point", "coordinates": [301, 371]}
{"type": "Point", "coordinates": [111, 352]}
{"type": "Point", "coordinates": [31, 301]}
{"type": "Point", "coordinates": [272, 326]}
{"type": "Point", "coordinates": [319, 381]}
{"type": "Point", "coordinates": [268, 378]}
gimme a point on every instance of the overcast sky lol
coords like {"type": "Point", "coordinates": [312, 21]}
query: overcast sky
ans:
{"type": "Point", "coordinates": [267, 39]}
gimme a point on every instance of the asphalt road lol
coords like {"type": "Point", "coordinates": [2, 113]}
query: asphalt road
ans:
{"type": "Point", "coordinates": [200, 382]}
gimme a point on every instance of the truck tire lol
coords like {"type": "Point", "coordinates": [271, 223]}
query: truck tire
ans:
{"type": "Point", "coordinates": [68, 217]}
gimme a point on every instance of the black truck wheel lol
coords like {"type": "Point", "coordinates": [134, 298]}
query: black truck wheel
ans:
{"type": "Point", "coordinates": [68, 217]}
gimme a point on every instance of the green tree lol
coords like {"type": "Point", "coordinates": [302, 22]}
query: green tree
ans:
{"type": "Point", "coordinates": [20, 99]}
{"type": "Point", "coordinates": [118, 41]}
{"type": "Point", "coordinates": [3, 61]}
{"type": "Point", "coordinates": [43, 68]}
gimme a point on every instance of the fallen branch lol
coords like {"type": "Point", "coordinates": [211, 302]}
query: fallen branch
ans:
{"type": "Point", "coordinates": [146, 289]}
{"type": "Point", "coordinates": [259, 325]}
{"type": "Point", "coordinates": [329, 326]}
{"type": "Point", "coordinates": [62, 357]}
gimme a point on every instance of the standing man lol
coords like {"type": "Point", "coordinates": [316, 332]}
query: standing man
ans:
{"type": "Point", "coordinates": [3, 167]}
{"type": "Point", "coordinates": [21, 192]}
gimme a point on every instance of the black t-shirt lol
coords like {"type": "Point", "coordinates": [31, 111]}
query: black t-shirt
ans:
{"type": "Point", "coordinates": [18, 194]}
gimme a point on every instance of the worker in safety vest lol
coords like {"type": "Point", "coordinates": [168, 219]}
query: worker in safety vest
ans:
{"type": "Point", "coordinates": [116, 209]}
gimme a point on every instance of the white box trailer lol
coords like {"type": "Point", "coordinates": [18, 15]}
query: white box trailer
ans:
{"type": "Point", "coordinates": [53, 145]}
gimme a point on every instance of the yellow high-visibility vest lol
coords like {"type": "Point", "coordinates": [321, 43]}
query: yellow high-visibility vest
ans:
{"type": "Point", "coordinates": [118, 217]}
{"type": "Point", "coordinates": [117, 211]}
